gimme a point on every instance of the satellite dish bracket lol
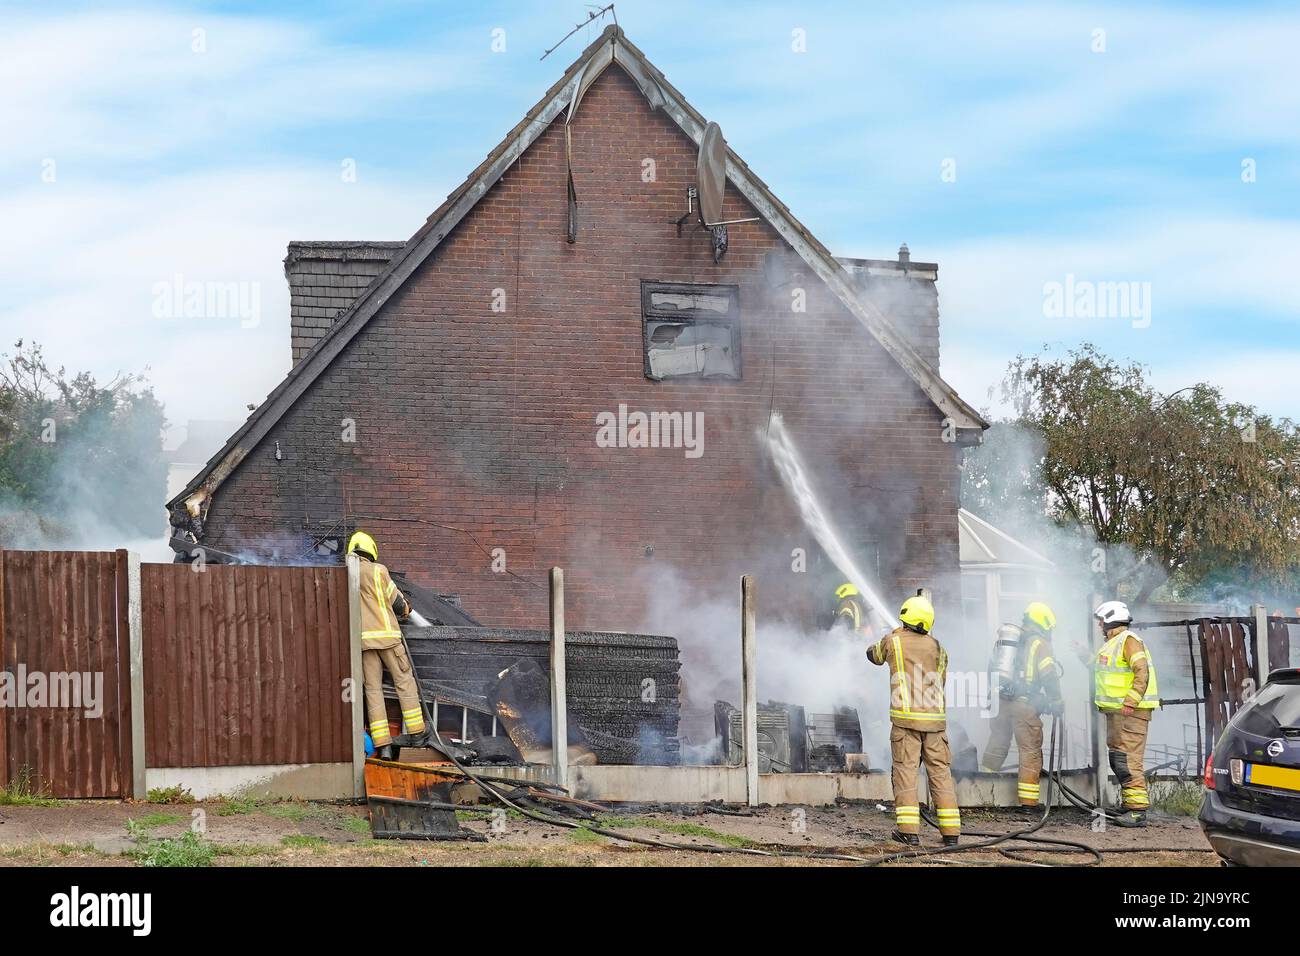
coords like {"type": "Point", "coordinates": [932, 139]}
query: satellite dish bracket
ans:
{"type": "Point", "coordinates": [692, 193]}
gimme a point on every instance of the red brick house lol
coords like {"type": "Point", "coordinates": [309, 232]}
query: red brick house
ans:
{"type": "Point", "coordinates": [448, 393]}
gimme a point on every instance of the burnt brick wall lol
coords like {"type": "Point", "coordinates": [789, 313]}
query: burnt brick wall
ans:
{"type": "Point", "coordinates": [475, 429]}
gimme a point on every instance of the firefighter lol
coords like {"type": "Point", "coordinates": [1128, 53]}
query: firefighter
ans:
{"type": "Point", "coordinates": [382, 606]}
{"type": "Point", "coordinates": [1124, 678]}
{"type": "Point", "coordinates": [918, 733]}
{"type": "Point", "coordinates": [1028, 684]}
{"type": "Point", "coordinates": [851, 611]}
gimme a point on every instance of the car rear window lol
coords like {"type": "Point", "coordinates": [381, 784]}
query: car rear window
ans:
{"type": "Point", "coordinates": [1281, 702]}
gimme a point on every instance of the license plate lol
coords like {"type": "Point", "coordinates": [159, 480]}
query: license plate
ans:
{"type": "Point", "coordinates": [1284, 778]}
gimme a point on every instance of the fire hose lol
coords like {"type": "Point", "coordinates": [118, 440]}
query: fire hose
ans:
{"type": "Point", "coordinates": [990, 840]}
{"type": "Point", "coordinates": [995, 839]}
{"type": "Point", "coordinates": [547, 818]}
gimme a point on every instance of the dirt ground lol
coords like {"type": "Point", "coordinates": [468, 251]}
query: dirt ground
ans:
{"type": "Point", "coordinates": [249, 833]}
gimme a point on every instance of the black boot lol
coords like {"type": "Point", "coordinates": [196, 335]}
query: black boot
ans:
{"type": "Point", "coordinates": [1131, 818]}
{"type": "Point", "coordinates": [385, 752]}
{"type": "Point", "coordinates": [910, 839]}
{"type": "Point", "coordinates": [950, 840]}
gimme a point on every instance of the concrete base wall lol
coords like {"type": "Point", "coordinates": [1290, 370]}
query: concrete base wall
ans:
{"type": "Point", "coordinates": [316, 781]}
{"type": "Point", "coordinates": [605, 784]}
{"type": "Point", "coordinates": [727, 784]}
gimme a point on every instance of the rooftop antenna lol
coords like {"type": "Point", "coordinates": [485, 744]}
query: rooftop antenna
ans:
{"type": "Point", "coordinates": [592, 14]}
{"type": "Point", "coordinates": [710, 186]}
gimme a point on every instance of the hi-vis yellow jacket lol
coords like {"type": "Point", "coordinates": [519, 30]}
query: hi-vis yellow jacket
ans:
{"type": "Point", "coordinates": [1124, 674]}
{"type": "Point", "coordinates": [918, 670]}
{"type": "Point", "coordinates": [379, 595]}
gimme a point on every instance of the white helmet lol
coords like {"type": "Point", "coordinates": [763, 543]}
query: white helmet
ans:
{"type": "Point", "coordinates": [1113, 613]}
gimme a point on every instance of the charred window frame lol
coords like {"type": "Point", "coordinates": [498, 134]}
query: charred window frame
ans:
{"type": "Point", "coordinates": [690, 331]}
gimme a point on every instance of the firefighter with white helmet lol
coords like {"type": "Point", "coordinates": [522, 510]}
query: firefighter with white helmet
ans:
{"type": "Point", "coordinates": [1125, 690]}
{"type": "Point", "coordinates": [918, 670]}
{"type": "Point", "coordinates": [1027, 684]}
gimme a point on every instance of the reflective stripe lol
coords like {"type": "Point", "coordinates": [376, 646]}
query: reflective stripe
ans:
{"type": "Point", "coordinates": [915, 715]}
{"type": "Point", "coordinates": [902, 676]}
{"type": "Point", "coordinates": [1029, 658]}
{"type": "Point", "coordinates": [379, 591]}
{"type": "Point", "coordinates": [1045, 663]}
{"type": "Point", "coordinates": [907, 814]}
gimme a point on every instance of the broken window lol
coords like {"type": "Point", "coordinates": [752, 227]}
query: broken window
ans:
{"type": "Point", "coordinates": [691, 331]}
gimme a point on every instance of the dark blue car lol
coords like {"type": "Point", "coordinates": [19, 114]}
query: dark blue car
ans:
{"type": "Point", "coordinates": [1251, 810]}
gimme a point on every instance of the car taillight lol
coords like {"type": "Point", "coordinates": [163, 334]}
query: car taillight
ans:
{"type": "Point", "coordinates": [1209, 772]}
{"type": "Point", "coordinates": [1237, 769]}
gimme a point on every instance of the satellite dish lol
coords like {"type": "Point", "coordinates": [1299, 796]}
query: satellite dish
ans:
{"type": "Point", "coordinates": [711, 174]}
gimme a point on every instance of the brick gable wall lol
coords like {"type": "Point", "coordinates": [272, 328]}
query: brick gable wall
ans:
{"type": "Point", "coordinates": [476, 429]}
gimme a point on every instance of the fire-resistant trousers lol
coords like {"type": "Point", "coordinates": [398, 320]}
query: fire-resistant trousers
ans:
{"type": "Point", "coordinates": [1018, 718]}
{"type": "Point", "coordinates": [394, 659]}
{"type": "Point", "coordinates": [910, 749]}
{"type": "Point", "coordinates": [1126, 739]}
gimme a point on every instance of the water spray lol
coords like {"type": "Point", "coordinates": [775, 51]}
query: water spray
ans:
{"type": "Point", "coordinates": [789, 463]}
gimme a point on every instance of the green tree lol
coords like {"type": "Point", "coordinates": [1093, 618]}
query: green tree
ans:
{"type": "Point", "coordinates": [72, 450]}
{"type": "Point", "coordinates": [1186, 487]}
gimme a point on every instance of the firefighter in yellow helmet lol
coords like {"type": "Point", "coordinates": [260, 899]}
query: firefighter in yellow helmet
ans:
{"type": "Point", "coordinates": [382, 607]}
{"type": "Point", "coordinates": [1125, 691]}
{"type": "Point", "coordinates": [918, 670]}
{"type": "Point", "coordinates": [851, 611]}
{"type": "Point", "coordinates": [1027, 681]}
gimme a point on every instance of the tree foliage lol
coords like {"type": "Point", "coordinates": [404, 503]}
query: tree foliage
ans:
{"type": "Point", "coordinates": [1185, 487]}
{"type": "Point", "coordinates": [73, 450]}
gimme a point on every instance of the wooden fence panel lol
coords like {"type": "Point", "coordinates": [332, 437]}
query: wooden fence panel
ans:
{"type": "Point", "coordinates": [63, 650]}
{"type": "Point", "coordinates": [245, 664]}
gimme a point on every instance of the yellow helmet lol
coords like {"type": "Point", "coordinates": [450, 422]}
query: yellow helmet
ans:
{"type": "Point", "coordinates": [363, 544]}
{"type": "Point", "coordinates": [1040, 614]}
{"type": "Point", "coordinates": [917, 613]}
{"type": "Point", "coordinates": [846, 590]}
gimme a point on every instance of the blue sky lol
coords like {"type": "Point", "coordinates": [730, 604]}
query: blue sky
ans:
{"type": "Point", "coordinates": [1122, 164]}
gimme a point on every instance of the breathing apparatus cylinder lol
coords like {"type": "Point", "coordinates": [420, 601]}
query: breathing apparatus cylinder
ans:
{"type": "Point", "coordinates": [1002, 664]}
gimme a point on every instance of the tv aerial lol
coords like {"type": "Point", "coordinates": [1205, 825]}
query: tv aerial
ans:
{"type": "Point", "coordinates": [704, 199]}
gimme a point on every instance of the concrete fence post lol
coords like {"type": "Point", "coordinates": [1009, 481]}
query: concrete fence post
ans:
{"type": "Point", "coordinates": [559, 684]}
{"type": "Point", "coordinates": [749, 688]}
{"type": "Point", "coordinates": [1261, 645]}
{"type": "Point", "coordinates": [135, 627]}
{"type": "Point", "coordinates": [4, 712]}
{"type": "Point", "coordinates": [1100, 755]}
{"type": "Point", "coordinates": [358, 680]}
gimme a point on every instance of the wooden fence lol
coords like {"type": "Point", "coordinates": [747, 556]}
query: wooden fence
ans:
{"type": "Point", "coordinates": [245, 665]}
{"type": "Point", "coordinates": [218, 667]}
{"type": "Point", "coordinates": [65, 665]}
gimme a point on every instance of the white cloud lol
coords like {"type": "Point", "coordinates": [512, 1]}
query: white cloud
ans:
{"type": "Point", "coordinates": [86, 283]}
{"type": "Point", "coordinates": [129, 86]}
